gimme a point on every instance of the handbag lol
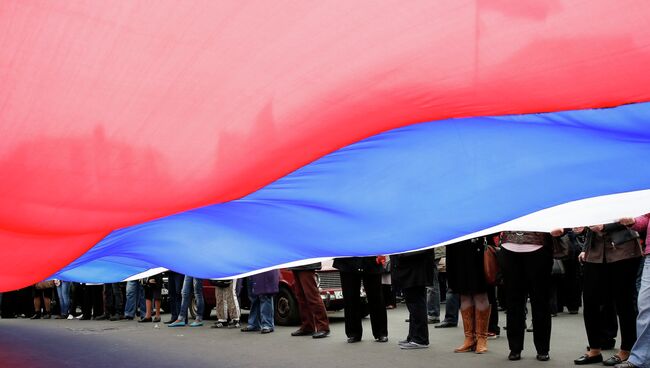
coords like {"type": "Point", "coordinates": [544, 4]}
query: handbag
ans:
{"type": "Point", "coordinates": [623, 236]}
{"type": "Point", "coordinates": [48, 284]}
{"type": "Point", "coordinates": [490, 265]}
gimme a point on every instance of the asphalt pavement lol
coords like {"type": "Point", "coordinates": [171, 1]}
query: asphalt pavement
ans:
{"type": "Point", "coordinates": [98, 344]}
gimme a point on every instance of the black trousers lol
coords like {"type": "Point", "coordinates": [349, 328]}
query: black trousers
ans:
{"type": "Point", "coordinates": [570, 291]}
{"type": "Point", "coordinates": [526, 274]}
{"type": "Point", "coordinates": [351, 285]}
{"type": "Point", "coordinates": [92, 304]}
{"type": "Point", "coordinates": [493, 325]}
{"type": "Point", "coordinates": [113, 301]}
{"type": "Point", "coordinates": [610, 281]}
{"type": "Point", "coordinates": [416, 302]}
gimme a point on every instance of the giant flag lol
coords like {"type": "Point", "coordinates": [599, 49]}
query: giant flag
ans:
{"type": "Point", "coordinates": [300, 130]}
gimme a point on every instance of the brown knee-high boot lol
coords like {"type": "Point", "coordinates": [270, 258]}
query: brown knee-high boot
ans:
{"type": "Point", "coordinates": [468, 325]}
{"type": "Point", "coordinates": [482, 322]}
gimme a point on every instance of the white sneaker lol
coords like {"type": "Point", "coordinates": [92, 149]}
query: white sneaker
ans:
{"type": "Point", "coordinates": [70, 316]}
{"type": "Point", "coordinates": [79, 316]}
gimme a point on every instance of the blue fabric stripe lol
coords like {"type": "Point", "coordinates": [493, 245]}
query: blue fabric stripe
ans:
{"type": "Point", "coordinates": [400, 190]}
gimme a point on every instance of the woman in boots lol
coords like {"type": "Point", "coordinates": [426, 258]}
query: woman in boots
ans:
{"type": "Point", "coordinates": [466, 276]}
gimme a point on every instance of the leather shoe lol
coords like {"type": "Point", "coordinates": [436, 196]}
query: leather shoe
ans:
{"type": "Point", "coordinates": [586, 359]}
{"type": "Point", "coordinates": [612, 361]}
{"type": "Point", "coordinates": [353, 339]}
{"type": "Point", "coordinates": [266, 330]}
{"type": "Point", "coordinates": [446, 324]}
{"type": "Point", "coordinates": [382, 339]}
{"type": "Point", "coordinates": [320, 334]}
{"type": "Point", "coordinates": [543, 357]}
{"type": "Point", "coordinates": [302, 333]}
{"type": "Point", "coordinates": [514, 356]}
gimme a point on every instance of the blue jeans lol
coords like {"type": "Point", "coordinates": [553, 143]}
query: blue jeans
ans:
{"type": "Point", "coordinates": [175, 293]}
{"type": "Point", "coordinates": [188, 284]}
{"type": "Point", "coordinates": [63, 291]}
{"type": "Point", "coordinates": [261, 314]}
{"type": "Point", "coordinates": [134, 299]}
{"type": "Point", "coordinates": [452, 305]}
{"type": "Point", "coordinates": [640, 356]}
{"type": "Point", "coordinates": [433, 294]}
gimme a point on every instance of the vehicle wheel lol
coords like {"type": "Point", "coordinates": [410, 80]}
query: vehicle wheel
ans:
{"type": "Point", "coordinates": [286, 308]}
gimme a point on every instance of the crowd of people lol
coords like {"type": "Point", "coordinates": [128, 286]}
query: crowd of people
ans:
{"type": "Point", "coordinates": [605, 269]}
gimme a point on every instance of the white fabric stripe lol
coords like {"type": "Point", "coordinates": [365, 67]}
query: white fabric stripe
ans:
{"type": "Point", "coordinates": [590, 211]}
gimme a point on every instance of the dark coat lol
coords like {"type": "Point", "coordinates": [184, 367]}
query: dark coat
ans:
{"type": "Point", "coordinates": [413, 269]}
{"type": "Point", "coordinates": [265, 283]}
{"type": "Point", "coordinates": [358, 264]}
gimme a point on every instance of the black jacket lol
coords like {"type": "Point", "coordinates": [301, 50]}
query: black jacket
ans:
{"type": "Point", "coordinates": [413, 269]}
{"type": "Point", "coordinates": [357, 264]}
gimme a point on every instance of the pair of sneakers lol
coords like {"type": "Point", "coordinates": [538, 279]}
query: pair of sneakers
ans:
{"type": "Point", "coordinates": [222, 324]}
{"type": "Point", "coordinates": [409, 345]}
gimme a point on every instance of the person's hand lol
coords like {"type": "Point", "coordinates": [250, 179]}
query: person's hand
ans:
{"type": "Point", "coordinates": [152, 281]}
{"type": "Point", "coordinates": [557, 232]}
{"type": "Point", "coordinates": [578, 229]}
{"type": "Point", "coordinates": [581, 257]}
{"type": "Point", "coordinates": [627, 221]}
{"type": "Point", "coordinates": [597, 228]}
{"type": "Point", "coordinates": [381, 260]}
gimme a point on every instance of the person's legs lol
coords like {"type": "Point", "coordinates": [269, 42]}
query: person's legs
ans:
{"type": "Point", "coordinates": [131, 298]}
{"type": "Point", "coordinates": [254, 322]}
{"type": "Point", "coordinates": [538, 266]}
{"type": "Point", "coordinates": [306, 316]}
{"type": "Point", "coordinates": [198, 295]}
{"type": "Point", "coordinates": [186, 298]}
{"type": "Point", "coordinates": [220, 301]}
{"type": "Point", "coordinates": [514, 285]}
{"type": "Point", "coordinates": [350, 285]}
{"type": "Point", "coordinates": [452, 307]}
{"type": "Point", "coordinates": [96, 295]}
{"type": "Point", "coordinates": [37, 305]}
{"type": "Point", "coordinates": [109, 306]}
{"type": "Point", "coordinates": [609, 319]}
{"type": "Point", "coordinates": [148, 310]}
{"type": "Point", "coordinates": [266, 311]}
{"type": "Point", "coordinates": [314, 303]}
{"type": "Point", "coordinates": [571, 290]}
{"type": "Point", "coordinates": [592, 299]}
{"type": "Point", "coordinates": [482, 312]}
{"type": "Point", "coordinates": [378, 316]}
{"type": "Point", "coordinates": [493, 326]}
{"type": "Point", "coordinates": [119, 300]}
{"type": "Point", "coordinates": [86, 301]}
{"type": "Point", "coordinates": [640, 355]}
{"type": "Point", "coordinates": [233, 303]}
{"type": "Point", "coordinates": [415, 298]}
{"type": "Point", "coordinates": [433, 296]}
{"type": "Point", "coordinates": [47, 300]}
{"type": "Point", "coordinates": [624, 277]}
{"type": "Point", "coordinates": [468, 312]}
